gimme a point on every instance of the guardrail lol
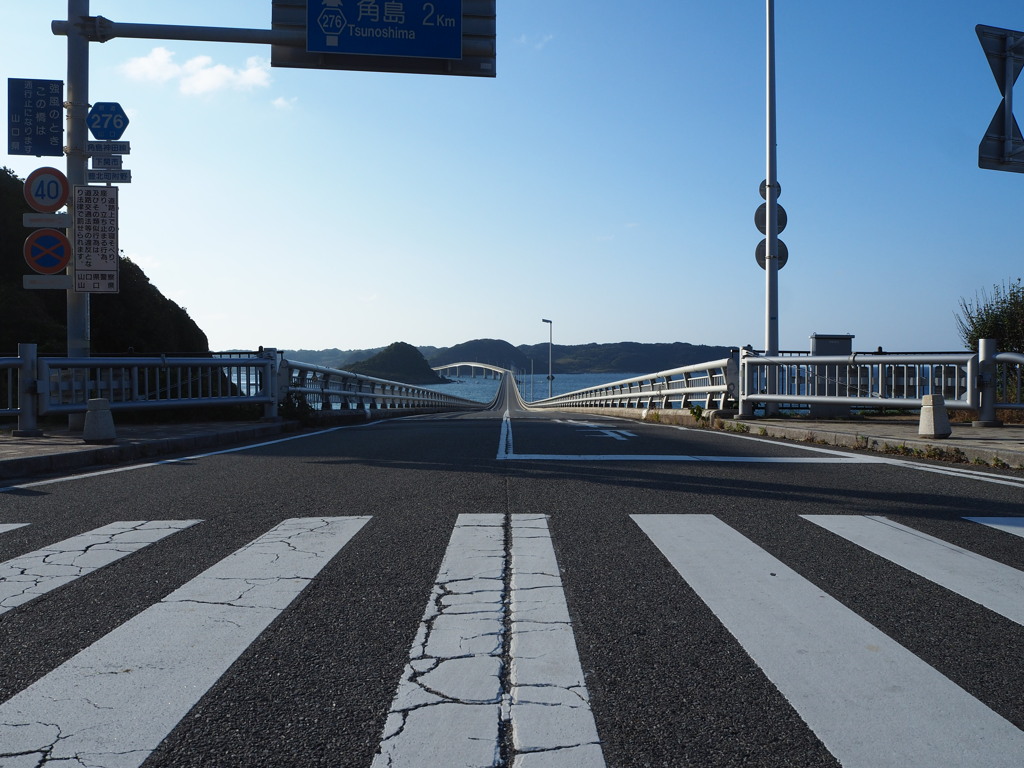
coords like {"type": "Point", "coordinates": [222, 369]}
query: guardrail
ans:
{"type": "Point", "coordinates": [709, 385]}
{"type": "Point", "coordinates": [32, 386]}
{"type": "Point", "coordinates": [858, 380]}
{"type": "Point", "coordinates": [984, 382]}
{"type": "Point", "coordinates": [332, 389]}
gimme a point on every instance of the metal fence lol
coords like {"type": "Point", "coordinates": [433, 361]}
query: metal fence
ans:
{"type": "Point", "coordinates": [858, 380]}
{"type": "Point", "coordinates": [984, 382]}
{"type": "Point", "coordinates": [709, 385]}
{"type": "Point", "coordinates": [32, 386]}
{"type": "Point", "coordinates": [748, 382]}
{"type": "Point", "coordinates": [824, 384]}
{"type": "Point", "coordinates": [333, 389]}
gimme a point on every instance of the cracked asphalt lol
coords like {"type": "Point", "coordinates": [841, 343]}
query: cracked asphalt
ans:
{"type": "Point", "coordinates": [248, 647]}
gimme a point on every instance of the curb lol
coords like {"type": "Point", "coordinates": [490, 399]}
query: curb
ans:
{"type": "Point", "coordinates": [128, 451]}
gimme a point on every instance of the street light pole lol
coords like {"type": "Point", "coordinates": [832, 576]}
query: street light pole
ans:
{"type": "Point", "coordinates": [551, 337]}
{"type": "Point", "coordinates": [771, 192]}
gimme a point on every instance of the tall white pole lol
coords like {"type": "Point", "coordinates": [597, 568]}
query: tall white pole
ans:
{"type": "Point", "coordinates": [771, 266]}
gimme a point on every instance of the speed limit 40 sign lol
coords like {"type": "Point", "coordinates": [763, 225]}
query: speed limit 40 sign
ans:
{"type": "Point", "coordinates": [46, 190]}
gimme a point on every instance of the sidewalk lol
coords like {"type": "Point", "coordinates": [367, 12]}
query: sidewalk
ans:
{"type": "Point", "coordinates": [990, 446]}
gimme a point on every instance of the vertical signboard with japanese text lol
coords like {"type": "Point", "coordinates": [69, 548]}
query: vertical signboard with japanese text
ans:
{"type": "Point", "coordinates": [35, 117]}
{"type": "Point", "coordinates": [95, 246]}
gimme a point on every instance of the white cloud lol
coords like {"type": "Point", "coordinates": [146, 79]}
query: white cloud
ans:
{"type": "Point", "coordinates": [282, 103]}
{"type": "Point", "coordinates": [537, 42]}
{"type": "Point", "coordinates": [156, 67]}
{"type": "Point", "coordinates": [198, 75]}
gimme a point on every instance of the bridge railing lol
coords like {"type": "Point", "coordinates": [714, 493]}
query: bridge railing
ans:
{"type": "Point", "coordinates": [858, 380]}
{"type": "Point", "coordinates": [709, 385]}
{"type": "Point", "coordinates": [984, 382]}
{"type": "Point", "coordinates": [33, 386]}
{"type": "Point", "coordinates": [333, 389]}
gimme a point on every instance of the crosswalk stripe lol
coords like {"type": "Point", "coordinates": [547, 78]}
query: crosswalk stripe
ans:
{"type": "Point", "coordinates": [451, 699]}
{"type": "Point", "coordinates": [113, 703]}
{"type": "Point", "coordinates": [448, 704]}
{"type": "Point", "coordinates": [870, 701]}
{"type": "Point", "coordinates": [1014, 525]}
{"type": "Point", "coordinates": [994, 585]}
{"type": "Point", "coordinates": [552, 724]}
{"type": "Point", "coordinates": [5, 527]}
{"type": "Point", "coordinates": [27, 577]}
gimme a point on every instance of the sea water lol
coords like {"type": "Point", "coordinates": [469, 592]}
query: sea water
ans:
{"type": "Point", "coordinates": [531, 388]}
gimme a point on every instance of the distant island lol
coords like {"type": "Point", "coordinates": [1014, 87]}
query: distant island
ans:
{"type": "Point", "coordinates": [412, 365]}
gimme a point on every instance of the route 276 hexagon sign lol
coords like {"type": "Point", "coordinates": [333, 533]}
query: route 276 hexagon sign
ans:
{"type": "Point", "coordinates": [107, 121]}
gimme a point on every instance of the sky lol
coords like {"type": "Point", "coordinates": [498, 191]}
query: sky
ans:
{"type": "Point", "coordinates": [606, 178]}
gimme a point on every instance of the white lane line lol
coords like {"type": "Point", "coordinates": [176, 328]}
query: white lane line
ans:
{"type": "Point", "coordinates": [448, 704]}
{"type": "Point", "coordinates": [870, 701]}
{"type": "Point", "coordinates": [505, 439]}
{"type": "Point", "coordinates": [1014, 525]}
{"type": "Point", "coordinates": [113, 703]}
{"type": "Point", "coordinates": [950, 471]}
{"type": "Point", "coordinates": [702, 459]}
{"type": "Point", "coordinates": [506, 453]}
{"type": "Point", "coordinates": [552, 724]}
{"type": "Point", "coordinates": [33, 574]}
{"type": "Point", "coordinates": [193, 457]}
{"type": "Point", "coordinates": [4, 527]}
{"type": "Point", "coordinates": [994, 585]}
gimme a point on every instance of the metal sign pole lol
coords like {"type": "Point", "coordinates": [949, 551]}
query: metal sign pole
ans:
{"type": "Point", "coordinates": [78, 109]}
{"type": "Point", "coordinates": [78, 332]}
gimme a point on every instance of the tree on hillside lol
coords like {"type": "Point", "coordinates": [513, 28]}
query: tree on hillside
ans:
{"type": "Point", "coordinates": [999, 316]}
{"type": "Point", "coordinates": [138, 319]}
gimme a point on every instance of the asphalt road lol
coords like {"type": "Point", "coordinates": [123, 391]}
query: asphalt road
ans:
{"type": "Point", "coordinates": [514, 588]}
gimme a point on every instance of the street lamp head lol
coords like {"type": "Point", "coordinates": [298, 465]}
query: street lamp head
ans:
{"type": "Point", "coordinates": [545, 321]}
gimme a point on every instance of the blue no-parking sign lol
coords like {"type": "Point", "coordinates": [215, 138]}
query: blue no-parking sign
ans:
{"type": "Point", "coordinates": [47, 251]}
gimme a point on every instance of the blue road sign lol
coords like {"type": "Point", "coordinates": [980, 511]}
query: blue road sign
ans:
{"type": "Point", "coordinates": [385, 28]}
{"type": "Point", "coordinates": [107, 121]}
{"type": "Point", "coordinates": [35, 117]}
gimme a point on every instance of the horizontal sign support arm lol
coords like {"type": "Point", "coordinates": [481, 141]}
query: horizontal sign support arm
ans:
{"type": "Point", "coordinates": [100, 30]}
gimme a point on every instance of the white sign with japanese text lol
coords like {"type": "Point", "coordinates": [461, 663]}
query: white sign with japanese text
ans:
{"type": "Point", "coordinates": [95, 240]}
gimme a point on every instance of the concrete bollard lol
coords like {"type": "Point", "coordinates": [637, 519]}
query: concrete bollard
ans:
{"type": "Point", "coordinates": [934, 419]}
{"type": "Point", "coordinates": [99, 424]}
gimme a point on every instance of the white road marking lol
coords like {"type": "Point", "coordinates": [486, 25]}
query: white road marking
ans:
{"type": "Point", "coordinates": [870, 701]}
{"type": "Point", "coordinates": [994, 585]}
{"type": "Point", "coordinates": [1014, 525]}
{"type": "Point", "coordinates": [112, 704]}
{"type": "Point", "coordinates": [451, 700]}
{"type": "Point", "coordinates": [448, 704]}
{"type": "Point", "coordinates": [676, 457]}
{"type": "Point", "coordinates": [506, 453]}
{"type": "Point", "coordinates": [193, 457]}
{"type": "Point", "coordinates": [4, 527]}
{"type": "Point", "coordinates": [27, 577]}
{"type": "Point", "coordinates": [552, 724]}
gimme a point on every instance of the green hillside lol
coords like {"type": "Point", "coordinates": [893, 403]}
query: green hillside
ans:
{"type": "Point", "coordinates": [139, 319]}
